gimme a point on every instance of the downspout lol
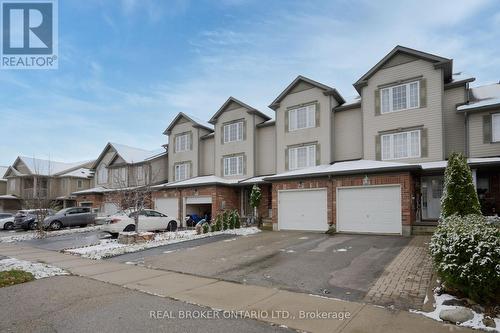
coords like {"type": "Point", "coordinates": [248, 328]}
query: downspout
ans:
{"type": "Point", "coordinates": [332, 129]}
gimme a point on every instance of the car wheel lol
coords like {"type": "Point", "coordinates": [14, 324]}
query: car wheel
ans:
{"type": "Point", "coordinates": [56, 225]}
{"type": "Point", "coordinates": [130, 227]}
{"type": "Point", "coordinates": [33, 225]}
{"type": "Point", "coordinates": [172, 226]}
{"type": "Point", "coordinates": [8, 226]}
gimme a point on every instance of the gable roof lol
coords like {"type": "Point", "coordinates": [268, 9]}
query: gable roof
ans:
{"type": "Point", "coordinates": [230, 100]}
{"type": "Point", "coordinates": [483, 98]}
{"type": "Point", "coordinates": [3, 171]}
{"type": "Point", "coordinates": [196, 123]}
{"type": "Point", "coordinates": [130, 155]}
{"type": "Point", "coordinates": [327, 91]}
{"type": "Point", "coordinates": [439, 62]}
{"type": "Point", "coordinates": [43, 167]}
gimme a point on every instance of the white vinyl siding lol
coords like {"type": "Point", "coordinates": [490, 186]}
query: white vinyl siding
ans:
{"type": "Point", "coordinates": [401, 97]}
{"type": "Point", "coordinates": [301, 157]}
{"type": "Point", "coordinates": [182, 143]}
{"type": "Point", "coordinates": [12, 185]}
{"type": "Point", "coordinates": [303, 117]}
{"type": "Point", "coordinates": [233, 166]}
{"type": "Point", "coordinates": [495, 127]}
{"type": "Point", "coordinates": [400, 145]}
{"type": "Point", "coordinates": [233, 132]}
{"type": "Point", "coordinates": [182, 171]}
{"type": "Point", "coordinates": [102, 175]}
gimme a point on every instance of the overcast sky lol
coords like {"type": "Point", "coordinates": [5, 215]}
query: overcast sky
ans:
{"type": "Point", "coordinates": [128, 67]}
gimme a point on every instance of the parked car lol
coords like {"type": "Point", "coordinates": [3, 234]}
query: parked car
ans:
{"type": "Point", "coordinates": [6, 221]}
{"type": "Point", "coordinates": [28, 219]}
{"type": "Point", "coordinates": [149, 220]}
{"type": "Point", "coordinates": [70, 217]}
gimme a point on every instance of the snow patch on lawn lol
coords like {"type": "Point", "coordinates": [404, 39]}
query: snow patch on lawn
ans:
{"type": "Point", "coordinates": [38, 270]}
{"type": "Point", "coordinates": [111, 247]}
{"type": "Point", "coordinates": [18, 237]}
{"type": "Point", "coordinates": [475, 323]}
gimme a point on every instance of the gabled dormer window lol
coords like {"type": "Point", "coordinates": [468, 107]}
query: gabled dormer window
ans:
{"type": "Point", "coordinates": [102, 174]}
{"type": "Point", "coordinates": [182, 142]}
{"type": "Point", "coordinates": [233, 132]}
{"type": "Point", "coordinates": [302, 117]}
{"type": "Point", "coordinates": [401, 97]}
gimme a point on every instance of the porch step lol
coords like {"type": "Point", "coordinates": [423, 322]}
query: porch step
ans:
{"type": "Point", "coordinates": [267, 224]}
{"type": "Point", "coordinates": [423, 229]}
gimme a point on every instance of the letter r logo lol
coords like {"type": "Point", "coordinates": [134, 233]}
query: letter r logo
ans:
{"type": "Point", "coordinates": [27, 27]}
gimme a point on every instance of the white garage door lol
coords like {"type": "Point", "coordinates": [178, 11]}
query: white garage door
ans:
{"type": "Point", "coordinates": [303, 210]}
{"type": "Point", "coordinates": [372, 209]}
{"type": "Point", "coordinates": [168, 206]}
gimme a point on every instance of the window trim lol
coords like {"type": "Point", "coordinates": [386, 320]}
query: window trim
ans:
{"type": "Point", "coordinates": [140, 172]}
{"type": "Point", "coordinates": [408, 145]}
{"type": "Point", "coordinates": [295, 110]}
{"type": "Point", "coordinates": [495, 138]}
{"type": "Point", "coordinates": [187, 145]}
{"type": "Point", "coordinates": [390, 89]}
{"type": "Point", "coordinates": [186, 172]}
{"type": "Point", "coordinates": [239, 133]}
{"type": "Point", "coordinates": [296, 148]}
{"type": "Point", "coordinates": [103, 170]}
{"type": "Point", "coordinates": [240, 164]}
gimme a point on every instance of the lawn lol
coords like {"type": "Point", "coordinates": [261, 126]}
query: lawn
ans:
{"type": "Point", "coordinates": [14, 276]}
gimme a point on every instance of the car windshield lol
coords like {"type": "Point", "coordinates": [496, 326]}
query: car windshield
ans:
{"type": "Point", "coordinates": [62, 211]}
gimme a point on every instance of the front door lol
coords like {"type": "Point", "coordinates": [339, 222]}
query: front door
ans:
{"type": "Point", "coordinates": [432, 191]}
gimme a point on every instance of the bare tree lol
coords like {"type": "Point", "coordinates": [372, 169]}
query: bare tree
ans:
{"type": "Point", "coordinates": [133, 197]}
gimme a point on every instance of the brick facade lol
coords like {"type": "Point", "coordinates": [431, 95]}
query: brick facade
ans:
{"type": "Point", "coordinates": [95, 198]}
{"type": "Point", "coordinates": [405, 179]}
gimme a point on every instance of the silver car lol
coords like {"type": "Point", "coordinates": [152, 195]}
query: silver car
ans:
{"type": "Point", "coordinates": [70, 217]}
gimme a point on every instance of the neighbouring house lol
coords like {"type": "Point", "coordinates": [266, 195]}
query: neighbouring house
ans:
{"type": "Point", "coordinates": [372, 164]}
{"type": "Point", "coordinates": [121, 167]}
{"type": "Point", "coordinates": [31, 178]}
{"type": "Point", "coordinates": [8, 203]}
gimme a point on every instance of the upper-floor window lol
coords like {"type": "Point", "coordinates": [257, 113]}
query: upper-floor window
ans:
{"type": "Point", "coordinates": [79, 183]}
{"type": "Point", "coordinates": [495, 124]}
{"type": "Point", "coordinates": [301, 157]}
{"type": "Point", "coordinates": [12, 184]}
{"type": "Point", "coordinates": [400, 145]}
{"type": "Point", "coordinates": [140, 172]}
{"type": "Point", "coordinates": [233, 132]}
{"type": "Point", "coordinates": [102, 174]}
{"type": "Point", "coordinates": [302, 117]}
{"type": "Point", "coordinates": [120, 176]}
{"type": "Point", "coordinates": [233, 165]}
{"type": "Point", "coordinates": [182, 171]}
{"type": "Point", "coordinates": [182, 142]}
{"type": "Point", "coordinates": [400, 97]}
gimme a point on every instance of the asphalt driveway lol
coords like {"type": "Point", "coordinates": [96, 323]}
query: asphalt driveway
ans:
{"type": "Point", "coordinates": [340, 266]}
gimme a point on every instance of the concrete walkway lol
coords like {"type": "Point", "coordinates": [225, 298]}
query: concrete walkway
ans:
{"type": "Point", "coordinates": [294, 310]}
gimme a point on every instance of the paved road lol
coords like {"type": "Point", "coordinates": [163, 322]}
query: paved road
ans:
{"type": "Point", "coordinates": [342, 266]}
{"type": "Point", "coordinates": [58, 243]}
{"type": "Point", "coordinates": [138, 257]}
{"type": "Point", "coordinates": [75, 304]}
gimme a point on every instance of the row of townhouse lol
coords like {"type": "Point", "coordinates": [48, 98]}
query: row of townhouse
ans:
{"type": "Point", "coordinates": [374, 164]}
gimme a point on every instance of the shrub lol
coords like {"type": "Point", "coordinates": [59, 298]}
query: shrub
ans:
{"type": "Point", "coordinates": [225, 220]}
{"type": "Point", "coordinates": [218, 223]}
{"type": "Point", "coordinates": [237, 222]}
{"type": "Point", "coordinates": [466, 255]}
{"type": "Point", "coordinates": [459, 196]}
{"type": "Point", "coordinates": [206, 228]}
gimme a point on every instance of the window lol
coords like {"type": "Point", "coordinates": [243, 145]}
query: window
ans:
{"type": "Point", "coordinates": [400, 97]}
{"type": "Point", "coordinates": [233, 132]}
{"type": "Point", "coordinates": [233, 165]}
{"type": "Point", "coordinates": [102, 175]}
{"type": "Point", "coordinates": [400, 145]}
{"type": "Point", "coordinates": [140, 172]}
{"type": "Point", "coordinates": [495, 124]}
{"type": "Point", "coordinates": [301, 157]}
{"type": "Point", "coordinates": [79, 183]}
{"type": "Point", "coordinates": [303, 117]}
{"type": "Point", "coordinates": [181, 171]}
{"type": "Point", "coordinates": [182, 142]}
{"type": "Point", "coordinates": [12, 185]}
